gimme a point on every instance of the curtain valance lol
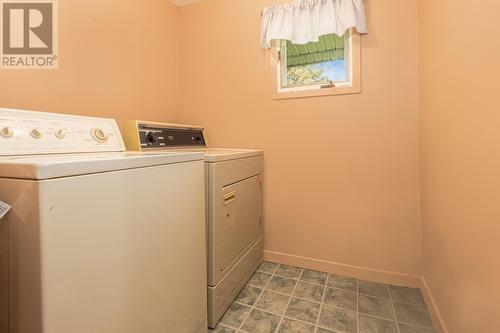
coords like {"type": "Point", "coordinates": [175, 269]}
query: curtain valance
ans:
{"type": "Point", "coordinates": [303, 21]}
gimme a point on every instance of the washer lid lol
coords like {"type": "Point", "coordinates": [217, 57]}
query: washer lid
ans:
{"type": "Point", "coordinates": [39, 167]}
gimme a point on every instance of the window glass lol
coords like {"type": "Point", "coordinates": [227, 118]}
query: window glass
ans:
{"type": "Point", "coordinates": [321, 62]}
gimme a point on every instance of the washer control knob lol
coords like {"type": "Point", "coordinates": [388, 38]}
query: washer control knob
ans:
{"type": "Point", "coordinates": [60, 134]}
{"type": "Point", "coordinates": [7, 132]}
{"type": "Point", "coordinates": [36, 133]}
{"type": "Point", "coordinates": [99, 135]}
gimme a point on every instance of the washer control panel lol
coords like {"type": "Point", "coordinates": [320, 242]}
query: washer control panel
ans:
{"type": "Point", "coordinates": [29, 132]}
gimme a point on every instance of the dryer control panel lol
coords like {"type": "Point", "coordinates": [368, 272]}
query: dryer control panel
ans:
{"type": "Point", "coordinates": [30, 132]}
{"type": "Point", "coordinates": [144, 136]}
{"type": "Point", "coordinates": [157, 137]}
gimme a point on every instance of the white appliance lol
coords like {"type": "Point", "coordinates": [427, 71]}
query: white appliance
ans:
{"type": "Point", "coordinates": [234, 205]}
{"type": "Point", "coordinates": [98, 239]}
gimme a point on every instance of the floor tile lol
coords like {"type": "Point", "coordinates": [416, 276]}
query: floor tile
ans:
{"type": "Point", "coordinates": [412, 329]}
{"type": "Point", "coordinates": [342, 282]}
{"type": "Point", "coordinates": [266, 305]}
{"type": "Point", "coordinates": [260, 322]}
{"type": "Point", "coordinates": [340, 298]}
{"type": "Point", "coordinates": [323, 330]}
{"type": "Point", "coordinates": [268, 267]}
{"type": "Point", "coordinates": [293, 326]}
{"type": "Point", "coordinates": [303, 310]}
{"type": "Point", "coordinates": [314, 276]}
{"type": "Point", "coordinates": [407, 295]}
{"type": "Point", "coordinates": [374, 325]}
{"type": "Point", "coordinates": [309, 291]}
{"type": "Point", "coordinates": [259, 279]}
{"type": "Point", "coordinates": [289, 271]}
{"type": "Point", "coordinates": [235, 315]}
{"type": "Point", "coordinates": [412, 314]}
{"type": "Point", "coordinates": [282, 285]}
{"type": "Point", "coordinates": [338, 320]}
{"type": "Point", "coordinates": [373, 289]}
{"type": "Point", "coordinates": [222, 329]}
{"type": "Point", "coordinates": [248, 295]}
{"type": "Point", "coordinates": [376, 307]}
{"type": "Point", "coordinates": [273, 302]}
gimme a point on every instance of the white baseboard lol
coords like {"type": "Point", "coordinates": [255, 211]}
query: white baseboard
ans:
{"type": "Point", "coordinates": [364, 273]}
{"type": "Point", "coordinates": [359, 272]}
{"type": "Point", "coordinates": [437, 319]}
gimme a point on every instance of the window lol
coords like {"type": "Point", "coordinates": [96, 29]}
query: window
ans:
{"type": "Point", "coordinates": [327, 67]}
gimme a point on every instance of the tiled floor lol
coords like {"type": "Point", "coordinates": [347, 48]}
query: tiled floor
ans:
{"type": "Point", "coordinates": [286, 299]}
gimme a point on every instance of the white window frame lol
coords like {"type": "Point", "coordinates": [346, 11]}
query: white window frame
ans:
{"type": "Point", "coordinates": [351, 86]}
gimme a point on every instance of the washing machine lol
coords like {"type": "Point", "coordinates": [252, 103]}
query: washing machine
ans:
{"type": "Point", "coordinates": [234, 179]}
{"type": "Point", "coordinates": [97, 239]}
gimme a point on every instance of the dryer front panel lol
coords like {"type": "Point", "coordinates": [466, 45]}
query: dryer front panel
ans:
{"type": "Point", "coordinates": [241, 217]}
{"type": "Point", "coordinates": [234, 212]}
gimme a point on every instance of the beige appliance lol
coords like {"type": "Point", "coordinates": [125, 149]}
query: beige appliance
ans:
{"type": "Point", "coordinates": [233, 204]}
{"type": "Point", "coordinates": [98, 239]}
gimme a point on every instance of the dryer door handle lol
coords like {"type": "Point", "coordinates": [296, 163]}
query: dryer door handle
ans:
{"type": "Point", "coordinates": [229, 197]}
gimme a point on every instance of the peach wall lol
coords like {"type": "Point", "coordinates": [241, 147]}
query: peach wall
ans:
{"type": "Point", "coordinates": [341, 171]}
{"type": "Point", "coordinates": [118, 58]}
{"type": "Point", "coordinates": [459, 137]}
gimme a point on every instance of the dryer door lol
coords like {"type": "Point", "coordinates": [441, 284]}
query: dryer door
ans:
{"type": "Point", "coordinates": [242, 208]}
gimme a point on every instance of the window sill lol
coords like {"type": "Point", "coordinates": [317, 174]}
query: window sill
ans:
{"type": "Point", "coordinates": [341, 90]}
